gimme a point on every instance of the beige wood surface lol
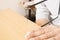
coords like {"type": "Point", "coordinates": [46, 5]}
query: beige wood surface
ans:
{"type": "Point", "coordinates": [14, 26]}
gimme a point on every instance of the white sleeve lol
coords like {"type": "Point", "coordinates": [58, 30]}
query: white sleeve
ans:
{"type": "Point", "coordinates": [42, 11]}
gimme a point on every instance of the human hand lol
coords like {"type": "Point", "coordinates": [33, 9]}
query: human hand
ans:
{"type": "Point", "coordinates": [23, 4]}
{"type": "Point", "coordinates": [49, 32]}
{"type": "Point", "coordinates": [26, 4]}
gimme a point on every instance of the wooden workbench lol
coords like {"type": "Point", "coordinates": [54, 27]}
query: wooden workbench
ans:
{"type": "Point", "coordinates": [14, 26]}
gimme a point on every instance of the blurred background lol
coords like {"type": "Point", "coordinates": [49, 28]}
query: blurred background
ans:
{"type": "Point", "coordinates": [14, 5]}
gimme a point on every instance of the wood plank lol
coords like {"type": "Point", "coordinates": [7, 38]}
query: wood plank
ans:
{"type": "Point", "coordinates": [14, 26]}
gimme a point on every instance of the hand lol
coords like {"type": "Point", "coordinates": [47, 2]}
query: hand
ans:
{"type": "Point", "coordinates": [26, 4]}
{"type": "Point", "coordinates": [23, 4]}
{"type": "Point", "coordinates": [50, 32]}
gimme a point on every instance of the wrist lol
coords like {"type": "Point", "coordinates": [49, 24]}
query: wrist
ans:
{"type": "Point", "coordinates": [41, 22]}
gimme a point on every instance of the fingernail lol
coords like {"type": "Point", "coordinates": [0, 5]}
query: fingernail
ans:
{"type": "Point", "coordinates": [26, 36]}
{"type": "Point", "coordinates": [32, 39]}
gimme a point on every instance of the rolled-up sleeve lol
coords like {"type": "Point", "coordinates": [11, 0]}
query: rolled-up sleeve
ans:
{"type": "Point", "coordinates": [42, 12]}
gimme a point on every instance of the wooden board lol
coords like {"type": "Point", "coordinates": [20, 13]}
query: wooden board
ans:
{"type": "Point", "coordinates": [14, 26]}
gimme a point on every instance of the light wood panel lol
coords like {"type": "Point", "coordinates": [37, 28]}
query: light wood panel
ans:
{"type": "Point", "coordinates": [14, 26]}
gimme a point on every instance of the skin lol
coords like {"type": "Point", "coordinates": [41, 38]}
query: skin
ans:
{"type": "Point", "coordinates": [25, 4]}
{"type": "Point", "coordinates": [49, 32]}
{"type": "Point", "coordinates": [41, 22]}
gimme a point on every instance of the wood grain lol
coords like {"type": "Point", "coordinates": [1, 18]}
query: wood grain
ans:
{"type": "Point", "coordinates": [14, 26]}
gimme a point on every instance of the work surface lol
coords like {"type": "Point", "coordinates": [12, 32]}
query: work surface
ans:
{"type": "Point", "coordinates": [14, 26]}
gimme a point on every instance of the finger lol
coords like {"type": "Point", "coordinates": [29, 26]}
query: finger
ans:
{"type": "Point", "coordinates": [44, 30]}
{"type": "Point", "coordinates": [29, 34]}
{"type": "Point", "coordinates": [40, 31]}
{"type": "Point", "coordinates": [33, 34]}
{"type": "Point", "coordinates": [57, 37]}
{"type": "Point", "coordinates": [47, 35]}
